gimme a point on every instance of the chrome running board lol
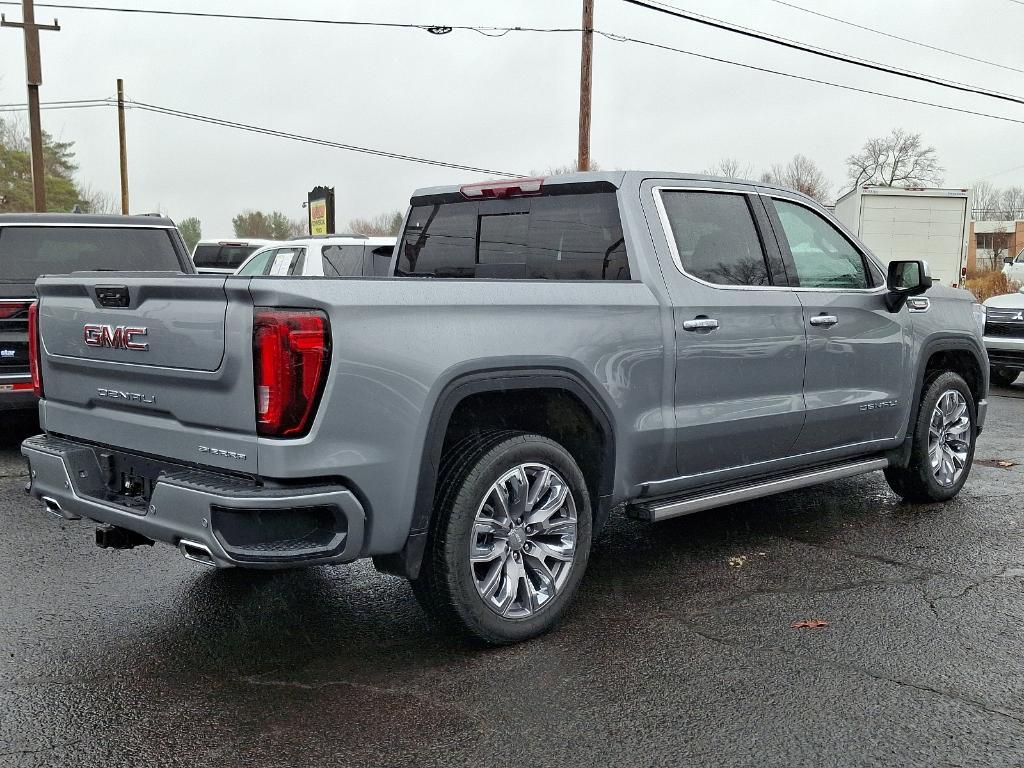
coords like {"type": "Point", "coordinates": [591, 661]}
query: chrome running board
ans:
{"type": "Point", "coordinates": [662, 509]}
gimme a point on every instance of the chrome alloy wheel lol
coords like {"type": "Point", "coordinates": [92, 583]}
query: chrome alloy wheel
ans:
{"type": "Point", "coordinates": [524, 540]}
{"type": "Point", "coordinates": [949, 438]}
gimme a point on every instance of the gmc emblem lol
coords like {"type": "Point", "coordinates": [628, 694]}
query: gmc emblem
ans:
{"type": "Point", "coordinates": [114, 336]}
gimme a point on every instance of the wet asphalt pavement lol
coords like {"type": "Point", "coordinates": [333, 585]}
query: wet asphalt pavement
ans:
{"type": "Point", "coordinates": [680, 650]}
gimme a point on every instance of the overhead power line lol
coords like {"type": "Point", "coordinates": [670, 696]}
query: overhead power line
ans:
{"type": "Point", "coordinates": [437, 29]}
{"type": "Point", "coordinates": [882, 32]}
{"type": "Point", "coordinates": [671, 10]}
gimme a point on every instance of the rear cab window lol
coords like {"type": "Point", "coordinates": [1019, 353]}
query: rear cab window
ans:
{"type": "Point", "coordinates": [26, 252]}
{"type": "Point", "coordinates": [552, 236]}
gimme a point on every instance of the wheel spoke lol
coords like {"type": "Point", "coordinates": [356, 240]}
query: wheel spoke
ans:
{"type": "Point", "coordinates": [560, 526]}
{"type": "Point", "coordinates": [557, 550]}
{"type": "Point", "coordinates": [541, 482]}
{"type": "Point", "coordinates": [495, 548]}
{"type": "Point", "coordinates": [549, 504]}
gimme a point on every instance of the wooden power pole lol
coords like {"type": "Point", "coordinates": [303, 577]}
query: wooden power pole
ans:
{"type": "Point", "coordinates": [586, 63]}
{"type": "Point", "coordinates": [34, 78]}
{"type": "Point", "coordinates": [123, 147]}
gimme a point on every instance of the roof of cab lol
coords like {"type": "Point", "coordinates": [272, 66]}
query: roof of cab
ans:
{"type": "Point", "coordinates": [84, 220]}
{"type": "Point", "coordinates": [614, 178]}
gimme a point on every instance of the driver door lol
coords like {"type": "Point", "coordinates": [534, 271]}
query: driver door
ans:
{"type": "Point", "coordinates": [856, 378]}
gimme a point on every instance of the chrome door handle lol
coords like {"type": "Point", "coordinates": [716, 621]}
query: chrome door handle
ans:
{"type": "Point", "coordinates": [825, 320]}
{"type": "Point", "coordinates": [700, 324]}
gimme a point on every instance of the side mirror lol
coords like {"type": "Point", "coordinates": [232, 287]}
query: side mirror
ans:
{"type": "Point", "coordinates": [906, 278]}
{"type": "Point", "coordinates": [1007, 259]}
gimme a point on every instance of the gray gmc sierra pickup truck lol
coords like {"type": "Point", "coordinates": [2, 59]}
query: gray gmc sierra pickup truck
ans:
{"type": "Point", "coordinates": [545, 350]}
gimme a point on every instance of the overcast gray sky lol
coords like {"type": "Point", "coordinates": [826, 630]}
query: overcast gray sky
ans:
{"type": "Point", "coordinates": [508, 103]}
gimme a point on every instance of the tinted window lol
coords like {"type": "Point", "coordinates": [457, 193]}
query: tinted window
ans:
{"type": "Point", "coordinates": [28, 252]}
{"type": "Point", "coordinates": [382, 259]}
{"type": "Point", "coordinates": [715, 237]}
{"type": "Point", "coordinates": [222, 256]}
{"type": "Point", "coordinates": [257, 265]}
{"type": "Point", "coordinates": [551, 237]}
{"type": "Point", "coordinates": [823, 257]}
{"type": "Point", "coordinates": [342, 260]}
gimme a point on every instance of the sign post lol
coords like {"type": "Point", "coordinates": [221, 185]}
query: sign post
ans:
{"type": "Point", "coordinates": [320, 204]}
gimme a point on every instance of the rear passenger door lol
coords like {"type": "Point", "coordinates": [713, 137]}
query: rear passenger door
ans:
{"type": "Point", "coordinates": [739, 332]}
{"type": "Point", "coordinates": [857, 380]}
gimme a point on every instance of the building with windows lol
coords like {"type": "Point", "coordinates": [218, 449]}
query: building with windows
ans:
{"type": "Point", "coordinates": [992, 241]}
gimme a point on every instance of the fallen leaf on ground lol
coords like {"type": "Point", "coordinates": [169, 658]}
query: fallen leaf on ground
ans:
{"type": "Point", "coordinates": [809, 624]}
{"type": "Point", "coordinates": [1000, 463]}
{"type": "Point", "coordinates": [738, 561]}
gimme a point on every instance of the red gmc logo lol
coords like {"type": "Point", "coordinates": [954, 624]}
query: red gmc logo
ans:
{"type": "Point", "coordinates": [114, 336]}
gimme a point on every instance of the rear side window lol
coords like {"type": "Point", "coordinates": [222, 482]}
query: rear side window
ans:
{"type": "Point", "coordinates": [715, 237]}
{"type": "Point", "coordinates": [28, 252]}
{"type": "Point", "coordinates": [550, 237]}
{"type": "Point", "coordinates": [381, 257]}
{"type": "Point", "coordinates": [823, 257]}
{"type": "Point", "coordinates": [342, 260]}
{"type": "Point", "coordinates": [287, 261]}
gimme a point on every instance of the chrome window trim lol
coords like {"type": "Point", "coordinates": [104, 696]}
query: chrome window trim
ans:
{"type": "Point", "coordinates": [12, 225]}
{"type": "Point", "coordinates": [666, 227]}
{"type": "Point", "coordinates": [867, 258]}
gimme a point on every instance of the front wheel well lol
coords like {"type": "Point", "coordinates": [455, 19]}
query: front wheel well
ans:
{"type": "Point", "coordinates": [961, 362]}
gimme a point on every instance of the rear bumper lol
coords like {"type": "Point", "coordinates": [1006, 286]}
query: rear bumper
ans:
{"type": "Point", "coordinates": [16, 392]}
{"type": "Point", "coordinates": [217, 519]}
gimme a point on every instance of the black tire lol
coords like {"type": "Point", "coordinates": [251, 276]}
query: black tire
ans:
{"type": "Point", "coordinates": [1003, 377]}
{"type": "Point", "coordinates": [446, 587]}
{"type": "Point", "coordinates": [917, 482]}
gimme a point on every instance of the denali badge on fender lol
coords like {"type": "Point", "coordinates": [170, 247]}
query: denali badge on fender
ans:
{"type": "Point", "coordinates": [114, 336]}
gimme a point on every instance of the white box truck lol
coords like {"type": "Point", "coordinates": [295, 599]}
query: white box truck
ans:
{"type": "Point", "coordinates": [912, 223]}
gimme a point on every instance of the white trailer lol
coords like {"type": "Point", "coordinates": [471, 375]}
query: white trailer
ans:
{"type": "Point", "coordinates": [912, 223]}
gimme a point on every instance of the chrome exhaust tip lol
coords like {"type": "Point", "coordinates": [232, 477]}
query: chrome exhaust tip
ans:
{"type": "Point", "coordinates": [196, 552]}
{"type": "Point", "coordinates": [54, 508]}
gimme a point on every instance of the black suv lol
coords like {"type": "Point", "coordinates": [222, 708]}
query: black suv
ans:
{"type": "Point", "coordinates": [34, 244]}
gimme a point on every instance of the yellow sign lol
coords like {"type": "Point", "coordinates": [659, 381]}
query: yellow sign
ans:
{"type": "Point", "coordinates": [318, 217]}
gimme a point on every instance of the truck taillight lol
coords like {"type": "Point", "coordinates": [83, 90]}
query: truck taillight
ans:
{"type": "Point", "coordinates": [291, 354]}
{"type": "Point", "coordinates": [34, 363]}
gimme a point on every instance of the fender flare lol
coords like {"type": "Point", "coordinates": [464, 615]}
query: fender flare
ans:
{"type": "Point", "coordinates": [498, 379]}
{"type": "Point", "coordinates": [944, 343]}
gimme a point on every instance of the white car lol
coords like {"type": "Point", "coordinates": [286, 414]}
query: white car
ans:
{"type": "Point", "coordinates": [1013, 267]}
{"type": "Point", "coordinates": [323, 256]}
{"type": "Point", "coordinates": [223, 257]}
{"type": "Point", "coordinates": [1004, 336]}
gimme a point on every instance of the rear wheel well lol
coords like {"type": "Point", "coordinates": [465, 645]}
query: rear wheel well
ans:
{"type": "Point", "coordinates": [550, 412]}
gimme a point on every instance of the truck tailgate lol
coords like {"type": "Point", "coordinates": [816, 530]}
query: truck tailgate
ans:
{"type": "Point", "coordinates": [168, 374]}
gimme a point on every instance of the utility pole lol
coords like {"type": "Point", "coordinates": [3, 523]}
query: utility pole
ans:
{"type": "Point", "coordinates": [34, 78]}
{"type": "Point", "coordinates": [123, 146]}
{"type": "Point", "coordinates": [586, 63]}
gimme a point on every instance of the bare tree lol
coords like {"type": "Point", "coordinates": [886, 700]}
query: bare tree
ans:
{"type": "Point", "coordinates": [802, 174]}
{"type": "Point", "coordinates": [986, 200]}
{"type": "Point", "coordinates": [1011, 203]}
{"type": "Point", "coordinates": [897, 160]}
{"type": "Point", "coordinates": [730, 168]}
{"type": "Point", "coordinates": [98, 201]}
{"type": "Point", "coordinates": [381, 225]}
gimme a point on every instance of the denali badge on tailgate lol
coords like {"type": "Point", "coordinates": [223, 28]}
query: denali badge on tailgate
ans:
{"type": "Point", "coordinates": [114, 336]}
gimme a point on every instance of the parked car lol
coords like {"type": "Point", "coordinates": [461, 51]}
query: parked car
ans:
{"type": "Point", "coordinates": [1004, 336]}
{"type": "Point", "coordinates": [323, 256]}
{"type": "Point", "coordinates": [547, 350]}
{"type": "Point", "coordinates": [222, 257]}
{"type": "Point", "coordinates": [34, 244]}
{"type": "Point", "coordinates": [1013, 267]}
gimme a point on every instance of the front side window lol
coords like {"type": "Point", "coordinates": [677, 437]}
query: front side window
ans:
{"type": "Point", "coordinates": [550, 237]}
{"type": "Point", "coordinates": [715, 237]}
{"type": "Point", "coordinates": [823, 257]}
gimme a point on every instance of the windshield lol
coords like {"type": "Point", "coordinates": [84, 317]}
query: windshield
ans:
{"type": "Point", "coordinates": [28, 252]}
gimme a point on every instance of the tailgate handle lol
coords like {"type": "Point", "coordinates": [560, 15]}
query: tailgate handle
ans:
{"type": "Point", "coordinates": [112, 295]}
